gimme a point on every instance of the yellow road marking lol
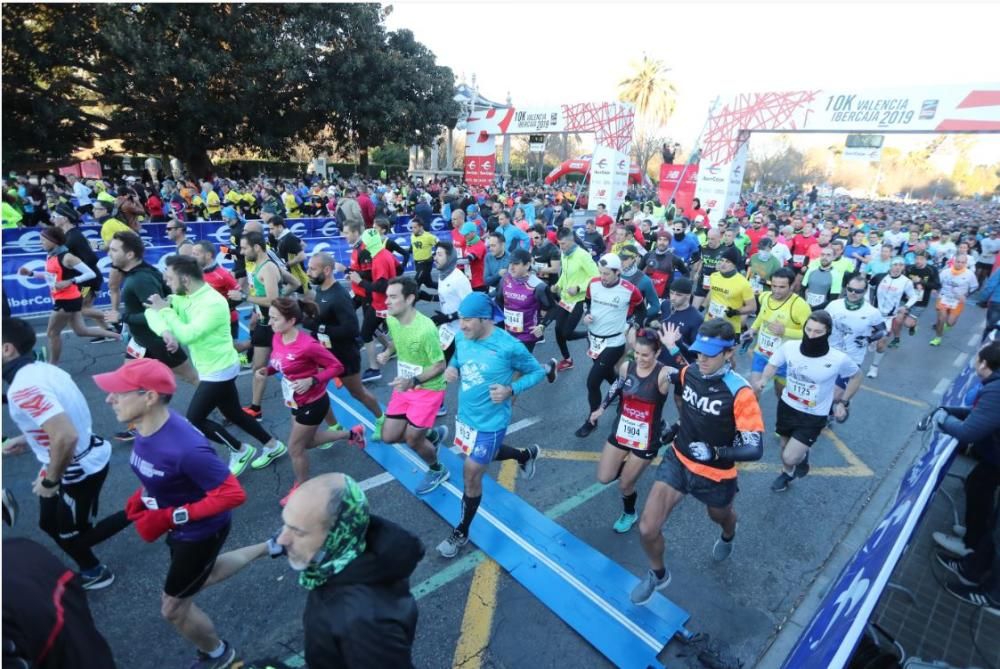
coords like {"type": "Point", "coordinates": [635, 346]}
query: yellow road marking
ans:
{"type": "Point", "coordinates": [477, 622]}
{"type": "Point", "coordinates": [898, 398]}
{"type": "Point", "coordinates": [579, 456]}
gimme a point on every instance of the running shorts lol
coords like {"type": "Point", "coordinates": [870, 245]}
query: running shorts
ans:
{"type": "Point", "coordinates": [654, 441]}
{"type": "Point", "coordinates": [370, 323]}
{"type": "Point", "coordinates": [954, 312]}
{"type": "Point", "coordinates": [418, 406]}
{"type": "Point", "coordinates": [487, 446]}
{"type": "Point", "coordinates": [760, 362]}
{"type": "Point", "coordinates": [313, 413]}
{"type": "Point", "coordinates": [158, 351]}
{"type": "Point", "coordinates": [798, 425]}
{"type": "Point", "coordinates": [350, 358]}
{"type": "Point", "coordinates": [69, 306]}
{"type": "Point", "coordinates": [717, 495]}
{"type": "Point", "coordinates": [191, 563]}
{"type": "Point", "coordinates": [262, 336]}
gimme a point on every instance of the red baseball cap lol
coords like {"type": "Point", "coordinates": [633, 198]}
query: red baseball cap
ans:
{"type": "Point", "coordinates": [139, 374]}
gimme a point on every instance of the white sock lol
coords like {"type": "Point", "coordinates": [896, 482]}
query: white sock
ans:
{"type": "Point", "coordinates": [217, 653]}
{"type": "Point", "coordinates": [878, 358]}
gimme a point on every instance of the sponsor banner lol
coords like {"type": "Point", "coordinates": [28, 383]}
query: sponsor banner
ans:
{"type": "Point", "coordinates": [903, 109]}
{"type": "Point", "coordinates": [608, 177]}
{"type": "Point", "coordinates": [835, 629]}
{"type": "Point", "coordinates": [870, 154]}
{"type": "Point", "coordinates": [536, 120]}
{"type": "Point", "coordinates": [671, 179]}
{"type": "Point", "coordinates": [90, 169]}
{"type": "Point", "coordinates": [480, 170]}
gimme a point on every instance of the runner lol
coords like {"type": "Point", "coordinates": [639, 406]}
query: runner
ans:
{"type": "Point", "coordinates": [64, 273]}
{"type": "Point", "coordinates": [453, 286]}
{"type": "Point", "coordinates": [487, 360]}
{"type": "Point", "coordinates": [612, 304]}
{"type": "Point", "coordinates": [64, 217]}
{"type": "Point", "coordinates": [642, 385]}
{"type": "Point", "coordinates": [629, 255]}
{"type": "Point", "coordinates": [306, 368]}
{"type": "Point", "coordinates": [187, 493]}
{"type": "Point", "coordinates": [761, 266]}
{"type": "Point", "coordinates": [892, 290]}
{"type": "Point", "coordinates": [545, 256]}
{"type": "Point", "coordinates": [730, 295]}
{"type": "Point", "coordinates": [422, 246]}
{"type": "Point", "coordinates": [661, 265]}
{"type": "Point", "coordinates": [523, 297]}
{"type": "Point", "coordinates": [218, 277]}
{"type": "Point", "coordinates": [781, 317]}
{"type": "Point", "coordinates": [419, 387]}
{"type": "Point", "coordinates": [707, 265]}
{"type": "Point", "coordinates": [55, 423]}
{"type": "Point", "coordinates": [331, 320]}
{"type": "Point", "coordinates": [856, 324]}
{"type": "Point", "coordinates": [822, 280]}
{"type": "Point", "coordinates": [957, 283]}
{"type": "Point", "coordinates": [474, 257]}
{"type": "Point", "coordinates": [577, 270]}
{"type": "Point", "coordinates": [685, 246]}
{"type": "Point", "coordinates": [383, 267]}
{"type": "Point", "coordinates": [263, 286]}
{"type": "Point", "coordinates": [140, 280]}
{"type": "Point", "coordinates": [720, 424]}
{"type": "Point", "coordinates": [198, 317]}
{"type": "Point", "coordinates": [813, 370]}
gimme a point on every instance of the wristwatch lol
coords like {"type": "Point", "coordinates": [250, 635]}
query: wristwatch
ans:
{"type": "Point", "coordinates": [180, 516]}
{"type": "Point", "coordinates": [846, 403]}
{"type": "Point", "coordinates": [49, 484]}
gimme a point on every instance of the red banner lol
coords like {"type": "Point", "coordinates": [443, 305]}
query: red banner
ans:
{"type": "Point", "coordinates": [480, 170]}
{"type": "Point", "coordinates": [90, 169]}
{"type": "Point", "coordinates": [70, 169]}
{"type": "Point", "coordinates": [670, 175]}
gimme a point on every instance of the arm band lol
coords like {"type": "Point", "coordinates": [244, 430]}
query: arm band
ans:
{"type": "Point", "coordinates": [614, 391]}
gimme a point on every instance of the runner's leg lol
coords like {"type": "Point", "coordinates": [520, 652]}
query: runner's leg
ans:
{"type": "Point", "coordinates": [661, 502]}
{"type": "Point", "coordinates": [261, 355]}
{"type": "Point", "coordinates": [57, 323]}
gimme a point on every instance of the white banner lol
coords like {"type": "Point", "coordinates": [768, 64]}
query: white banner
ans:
{"type": "Point", "coordinates": [872, 155]}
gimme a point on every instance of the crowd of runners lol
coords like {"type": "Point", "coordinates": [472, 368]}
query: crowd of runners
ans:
{"type": "Point", "coordinates": [794, 294]}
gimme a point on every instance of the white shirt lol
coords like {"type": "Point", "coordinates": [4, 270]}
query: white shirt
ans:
{"type": "Point", "coordinates": [990, 248]}
{"type": "Point", "coordinates": [954, 289]}
{"type": "Point", "coordinates": [891, 292]}
{"type": "Point", "coordinates": [809, 382]}
{"type": "Point", "coordinates": [41, 391]}
{"type": "Point", "coordinates": [849, 325]}
{"type": "Point", "coordinates": [82, 194]}
{"type": "Point", "coordinates": [895, 239]}
{"type": "Point", "coordinates": [781, 252]}
{"type": "Point", "coordinates": [451, 292]}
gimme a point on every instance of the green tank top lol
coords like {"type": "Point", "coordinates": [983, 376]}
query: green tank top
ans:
{"type": "Point", "coordinates": [259, 290]}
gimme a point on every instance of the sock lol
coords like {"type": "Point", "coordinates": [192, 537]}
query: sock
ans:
{"type": "Point", "coordinates": [510, 453]}
{"type": "Point", "coordinates": [469, 507]}
{"type": "Point", "coordinates": [217, 653]}
{"type": "Point", "coordinates": [877, 358]}
{"type": "Point", "coordinates": [255, 407]}
{"type": "Point", "coordinates": [725, 540]}
{"type": "Point", "coordinates": [660, 573]}
{"type": "Point", "coordinates": [629, 503]}
{"type": "Point", "coordinates": [436, 467]}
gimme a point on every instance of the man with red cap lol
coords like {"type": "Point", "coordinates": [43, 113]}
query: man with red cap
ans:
{"type": "Point", "coordinates": [187, 493]}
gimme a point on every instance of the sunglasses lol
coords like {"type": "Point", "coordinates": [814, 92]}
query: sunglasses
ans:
{"type": "Point", "coordinates": [856, 291]}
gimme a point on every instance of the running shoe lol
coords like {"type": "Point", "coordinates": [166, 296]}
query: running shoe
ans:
{"type": "Point", "coordinates": [551, 370]}
{"type": "Point", "coordinates": [643, 592]}
{"type": "Point", "coordinates": [100, 579]}
{"type": "Point", "coordinates": [377, 431]}
{"type": "Point", "coordinates": [226, 660]}
{"type": "Point", "coordinates": [894, 343]}
{"type": "Point", "coordinates": [585, 429]}
{"type": "Point", "coordinates": [954, 566]}
{"type": "Point", "coordinates": [10, 507]}
{"type": "Point", "coordinates": [802, 469]}
{"type": "Point", "coordinates": [872, 372]}
{"type": "Point", "coordinates": [370, 375]}
{"type": "Point", "coordinates": [256, 414]}
{"type": "Point", "coordinates": [125, 435]}
{"type": "Point", "coordinates": [245, 361]}
{"type": "Point", "coordinates": [722, 549]}
{"type": "Point", "coordinates": [432, 479]}
{"type": "Point", "coordinates": [951, 543]}
{"type": "Point", "coordinates": [913, 331]}
{"type": "Point", "coordinates": [238, 460]}
{"type": "Point", "coordinates": [974, 595]}
{"type": "Point", "coordinates": [936, 341]}
{"type": "Point", "coordinates": [449, 547]}
{"type": "Point", "coordinates": [437, 435]}
{"type": "Point", "coordinates": [336, 427]}
{"type": "Point", "coordinates": [357, 437]}
{"type": "Point", "coordinates": [564, 364]}
{"type": "Point", "coordinates": [268, 455]}
{"type": "Point", "coordinates": [443, 411]}
{"type": "Point", "coordinates": [946, 327]}
{"type": "Point", "coordinates": [284, 500]}
{"type": "Point", "coordinates": [781, 483]}
{"type": "Point", "coordinates": [527, 470]}
{"type": "Point", "coordinates": [625, 522]}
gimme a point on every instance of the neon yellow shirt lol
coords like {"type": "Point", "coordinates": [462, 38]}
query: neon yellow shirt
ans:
{"type": "Point", "coordinates": [793, 313]}
{"type": "Point", "coordinates": [727, 293]}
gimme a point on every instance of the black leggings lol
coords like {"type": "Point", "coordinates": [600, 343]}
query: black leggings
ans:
{"type": "Point", "coordinates": [980, 517]}
{"type": "Point", "coordinates": [423, 276]}
{"type": "Point", "coordinates": [605, 368]}
{"type": "Point", "coordinates": [222, 395]}
{"type": "Point", "coordinates": [566, 322]}
{"type": "Point", "coordinates": [68, 518]}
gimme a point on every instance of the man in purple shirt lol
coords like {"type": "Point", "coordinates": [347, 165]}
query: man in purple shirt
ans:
{"type": "Point", "coordinates": [187, 493]}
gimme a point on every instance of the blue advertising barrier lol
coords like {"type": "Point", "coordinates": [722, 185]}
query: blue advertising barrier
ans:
{"type": "Point", "coordinates": [836, 627]}
{"type": "Point", "coordinates": [29, 296]}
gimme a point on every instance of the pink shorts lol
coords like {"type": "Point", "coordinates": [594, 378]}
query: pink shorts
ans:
{"type": "Point", "coordinates": [418, 406]}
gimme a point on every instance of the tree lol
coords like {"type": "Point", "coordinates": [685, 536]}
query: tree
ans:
{"type": "Point", "coordinates": [648, 88]}
{"type": "Point", "coordinates": [185, 79]}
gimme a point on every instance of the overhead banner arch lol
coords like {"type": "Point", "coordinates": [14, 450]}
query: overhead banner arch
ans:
{"type": "Point", "coordinates": [581, 165]}
{"type": "Point", "coordinates": [612, 122]}
{"type": "Point", "coordinates": [930, 109]}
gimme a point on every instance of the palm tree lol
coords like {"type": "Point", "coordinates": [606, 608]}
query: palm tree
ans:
{"type": "Point", "coordinates": [649, 89]}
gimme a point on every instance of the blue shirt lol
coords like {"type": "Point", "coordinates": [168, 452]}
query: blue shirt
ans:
{"type": "Point", "coordinates": [489, 361]}
{"type": "Point", "coordinates": [515, 237]}
{"type": "Point", "coordinates": [493, 267]}
{"type": "Point", "coordinates": [685, 248]}
{"type": "Point", "coordinates": [991, 289]}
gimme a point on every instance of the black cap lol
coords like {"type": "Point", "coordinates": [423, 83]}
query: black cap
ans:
{"type": "Point", "coordinates": [732, 255]}
{"type": "Point", "coordinates": [682, 285]}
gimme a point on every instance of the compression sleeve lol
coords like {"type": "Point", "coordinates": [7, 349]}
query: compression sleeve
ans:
{"type": "Point", "coordinates": [614, 391]}
{"type": "Point", "coordinates": [747, 447]}
{"type": "Point", "coordinates": [228, 495]}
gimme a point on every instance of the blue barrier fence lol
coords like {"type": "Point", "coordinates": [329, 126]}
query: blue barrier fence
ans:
{"type": "Point", "coordinates": [836, 627]}
{"type": "Point", "coordinates": [22, 248]}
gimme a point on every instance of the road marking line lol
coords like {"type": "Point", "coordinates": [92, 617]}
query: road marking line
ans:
{"type": "Point", "coordinates": [974, 340]}
{"type": "Point", "coordinates": [857, 465]}
{"type": "Point", "coordinates": [376, 481]}
{"type": "Point", "coordinates": [579, 456]}
{"type": "Point", "coordinates": [960, 360]}
{"type": "Point", "coordinates": [521, 424]}
{"type": "Point", "coordinates": [898, 398]}
{"type": "Point", "coordinates": [477, 621]}
{"type": "Point", "coordinates": [941, 386]}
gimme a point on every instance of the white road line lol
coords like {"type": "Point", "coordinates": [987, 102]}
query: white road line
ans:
{"type": "Point", "coordinates": [523, 423]}
{"type": "Point", "coordinates": [960, 360]}
{"type": "Point", "coordinates": [974, 340]}
{"type": "Point", "coordinates": [376, 481]}
{"type": "Point", "coordinates": [941, 386]}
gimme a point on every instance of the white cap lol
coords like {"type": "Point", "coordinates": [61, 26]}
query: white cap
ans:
{"type": "Point", "coordinates": [611, 261]}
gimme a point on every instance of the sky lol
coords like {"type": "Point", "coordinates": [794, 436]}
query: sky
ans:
{"type": "Point", "coordinates": [552, 53]}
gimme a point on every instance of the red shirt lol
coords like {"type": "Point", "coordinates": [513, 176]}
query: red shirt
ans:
{"type": "Point", "coordinates": [361, 262]}
{"type": "Point", "coordinates": [800, 247]}
{"type": "Point", "coordinates": [604, 223]}
{"type": "Point", "coordinates": [383, 267]}
{"type": "Point", "coordinates": [219, 278]}
{"type": "Point", "coordinates": [476, 253]}
{"type": "Point", "coordinates": [755, 237]}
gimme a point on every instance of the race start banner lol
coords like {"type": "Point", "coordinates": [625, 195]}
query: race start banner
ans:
{"type": "Point", "coordinates": [679, 180]}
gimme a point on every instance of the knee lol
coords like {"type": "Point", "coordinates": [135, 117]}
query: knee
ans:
{"type": "Point", "coordinates": [172, 609]}
{"type": "Point", "coordinates": [648, 529]}
{"type": "Point", "coordinates": [605, 477]}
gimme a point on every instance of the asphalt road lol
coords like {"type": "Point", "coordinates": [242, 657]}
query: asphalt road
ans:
{"type": "Point", "coordinates": [784, 540]}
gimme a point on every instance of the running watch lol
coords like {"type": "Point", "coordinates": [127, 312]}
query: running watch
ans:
{"type": "Point", "coordinates": [180, 516]}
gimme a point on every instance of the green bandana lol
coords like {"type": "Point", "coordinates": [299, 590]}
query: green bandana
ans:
{"type": "Point", "coordinates": [372, 241]}
{"type": "Point", "coordinates": [344, 543]}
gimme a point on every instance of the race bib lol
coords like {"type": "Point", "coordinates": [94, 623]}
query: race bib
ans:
{"type": "Point", "coordinates": [408, 370]}
{"type": "Point", "coordinates": [565, 305]}
{"type": "Point", "coordinates": [756, 284]}
{"type": "Point", "coordinates": [802, 392]}
{"type": "Point", "coordinates": [633, 433]}
{"type": "Point", "coordinates": [381, 313]}
{"type": "Point", "coordinates": [288, 393]}
{"type": "Point", "coordinates": [446, 336]}
{"type": "Point", "coordinates": [768, 342]}
{"type": "Point", "coordinates": [716, 310]}
{"type": "Point", "coordinates": [134, 349]}
{"type": "Point", "coordinates": [465, 437]}
{"type": "Point", "coordinates": [706, 281]}
{"type": "Point", "coordinates": [597, 346]}
{"type": "Point", "coordinates": [514, 320]}
{"type": "Point", "coordinates": [948, 302]}
{"type": "Point", "coordinates": [798, 258]}
{"type": "Point", "coordinates": [324, 339]}
{"type": "Point", "coordinates": [920, 294]}
{"type": "Point", "coordinates": [815, 299]}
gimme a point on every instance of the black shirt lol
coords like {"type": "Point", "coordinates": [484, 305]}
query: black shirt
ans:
{"type": "Point", "coordinates": [543, 255]}
{"type": "Point", "coordinates": [78, 245]}
{"type": "Point", "coordinates": [336, 319]}
{"type": "Point", "coordinates": [925, 280]}
{"type": "Point", "coordinates": [688, 320]}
